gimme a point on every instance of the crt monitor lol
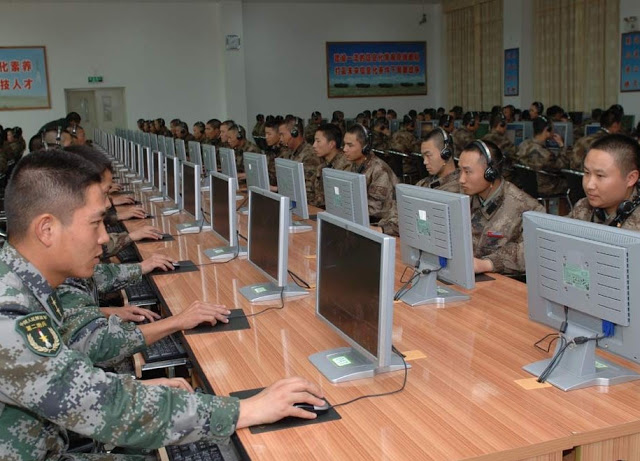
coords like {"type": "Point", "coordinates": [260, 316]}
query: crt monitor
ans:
{"type": "Point", "coordinates": [191, 197]}
{"type": "Point", "coordinates": [591, 128]}
{"type": "Point", "coordinates": [345, 195]}
{"type": "Point", "coordinates": [195, 152]}
{"type": "Point", "coordinates": [228, 163]}
{"type": "Point", "coordinates": [482, 131]}
{"type": "Point", "coordinates": [255, 167]}
{"type": "Point", "coordinates": [519, 131]}
{"type": "Point", "coordinates": [224, 219]}
{"type": "Point", "coordinates": [583, 275]}
{"type": "Point", "coordinates": [435, 238]}
{"type": "Point", "coordinates": [360, 313]}
{"type": "Point", "coordinates": [209, 159]}
{"type": "Point", "coordinates": [394, 125]}
{"type": "Point", "coordinates": [565, 130]}
{"type": "Point", "coordinates": [291, 183]}
{"type": "Point", "coordinates": [268, 246]}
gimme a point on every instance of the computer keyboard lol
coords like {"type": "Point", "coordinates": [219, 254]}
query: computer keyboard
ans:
{"type": "Point", "coordinates": [197, 451]}
{"type": "Point", "coordinates": [128, 255]}
{"type": "Point", "coordinates": [116, 228]}
{"type": "Point", "coordinates": [141, 293]}
{"type": "Point", "coordinates": [168, 348]}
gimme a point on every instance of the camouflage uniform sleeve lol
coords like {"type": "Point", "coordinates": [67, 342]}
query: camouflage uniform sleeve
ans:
{"type": "Point", "coordinates": [310, 163]}
{"type": "Point", "coordinates": [117, 241]}
{"type": "Point", "coordinates": [64, 387]}
{"type": "Point", "coordinates": [114, 277]}
{"type": "Point", "coordinates": [111, 218]}
{"type": "Point", "coordinates": [380, 193]}
{"type": "Point", "coordinates": [318, 188]}
{"type": "Point", "coordinates": [389, 223]}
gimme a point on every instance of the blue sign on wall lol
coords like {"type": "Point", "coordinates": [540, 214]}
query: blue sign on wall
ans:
{"type": "Point", "coordinates": [512, 72]}
{"type": "Point", "coordinates": [24, 83]}
{"type": "Point", "coordinates": [630, 62]}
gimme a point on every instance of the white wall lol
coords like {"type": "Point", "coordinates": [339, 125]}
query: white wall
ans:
{"type": "Point", "coordinates": [148, 48]}
{"type": "Point", "coordinates": [285, 54]}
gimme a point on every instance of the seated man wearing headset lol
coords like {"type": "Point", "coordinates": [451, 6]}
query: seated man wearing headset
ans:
{"type": "Point", "coordinates": [496, 210]}
{"type": "Point", "coordinates": [237, 140]}
{"type": "Point", "coordinates": [611, 174]}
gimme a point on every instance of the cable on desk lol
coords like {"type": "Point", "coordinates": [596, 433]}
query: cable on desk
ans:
{"type": "Point", "coordinates": [242, 203]}
{"type": "Point", "coordinates": [404, 384]}
{"type": "Point", "coordinates": [295, 277]}
{"type": "Point", "coordinates": [255, 314]}
{"type": "Point", "coordinates": [242, 237]}
{"type": "Point", "coordinates": [235, 256]}
{"type": "Point", "coordinates": [555, 360]}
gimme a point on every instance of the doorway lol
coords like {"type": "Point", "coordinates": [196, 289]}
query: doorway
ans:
{"type": "Point", "coordinates": [99, 108]}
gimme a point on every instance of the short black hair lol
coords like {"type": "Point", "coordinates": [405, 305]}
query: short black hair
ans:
{"type": "Point", "coordinates": [214, 123]}
{"type": "Point", "coordinates": [539, 106]}
{"type": "Point", "coordinates": [101, 161]}
{"type": "Point", "coordinates": [497, 157]}
{"type": "Point", "coordinates": [35, 143]}
{"type": "Point", "coordinates": [332, 133]}
{"type": "Point", "coordinates": [470, 118]}
{"type": "Point", "coordinates": [609, 117]}
{"type": "Point", "coordinates": [53, 181]}
{"type": "Point", "coordinates": [624, 149]}
{"type": "Point", "coordinates": [445, 120]}
{"type": "Point", "coordinates": [272, 123]}
{"type": "Point", "coordinates": [228, 123]}
{"type": "Point", "coordinates": [540, 123]}
{"type": "Point", "coordinates": [73, 117]}
{"type": "Point", "coordinates": [497, 119]}
{"type": "Point", "coordinates": [437, 137]}
{"type": "Point", "coordinates": [200, 125]}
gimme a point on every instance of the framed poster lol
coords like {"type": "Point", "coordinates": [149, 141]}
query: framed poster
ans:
{"type": "Point", "coordinates": [630, 62]}
{"type": "Point", "coordinates": [24, 82]}
{"type": "Point", "coordinates": [359, 69]}
{"type": "Point", "coordinates": [512, 72]}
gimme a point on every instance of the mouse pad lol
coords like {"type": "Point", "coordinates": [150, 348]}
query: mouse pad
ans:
{"type": "Point", "coordinates": [479, 278]}
{"type": "Point", "coordinates": [165, 238]}
{"type": "Point", "coordinates": [185, 266]}
{"type": "Point", "coordinates": [330, 415]}
{"type": "Point", "coordinates": [237, 321]}
{"type": "Point", "coordinates": [149, 216]}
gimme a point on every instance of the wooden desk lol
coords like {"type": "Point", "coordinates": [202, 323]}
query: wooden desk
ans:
{"type": "Point", "coordinates": [462, 400]}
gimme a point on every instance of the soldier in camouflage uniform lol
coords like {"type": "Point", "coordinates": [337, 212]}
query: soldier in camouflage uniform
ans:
{"type": "Point", "coordinates": [212, 133]}
{"type": "Point", "coordinates": [310, 129]}
{"type": "Point", "coordinates": [291, 136]}
{"type": "Point", "coordinates": [161, 128]}
{"type": "Point", "coordinates": [437, 152]}
{"type": "Point", "coordinates": [274, 149]}
{"type": "Point", "coordinates": [258, 128]}
{"type": "Point", "coordinates": [405, 142]}
{"type": "Point", "coordinates": [496, 135]}
{"type": "Point", "coordinates": [224, 130]}
{"type": "Point", "coordinates": [496, 210]}
{"type": "Point", "coordinates": [610, 123]}
{"type": "Point", "coordinates": [47, 388]}
{"type": "Point", "coordinates": [611, 172]}
{"type": "Point", "coordinates": [380, 142]}
{"type": "Point", "coordinates": [465, 135]}
{"type": "Point", "coordinates": [237, 140]}
{"type": "Point", "coordinates": [381, 181]}
{"type": "Point", "coordinates": [328, 148]}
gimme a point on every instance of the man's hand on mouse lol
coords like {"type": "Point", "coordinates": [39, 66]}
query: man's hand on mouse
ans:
{"type": "Point", "coordinates": [133, 212]}
{"type": "Point", "coordinates": [157, 261]}
{"type": "Point", "coordinates": [201, 312]}
{"type": "Point", "coordinates": [145, 232]}
{"type": "Point", "coordinates": [123, 200]}
{"type": "Point", "coordinates": [276, 402]}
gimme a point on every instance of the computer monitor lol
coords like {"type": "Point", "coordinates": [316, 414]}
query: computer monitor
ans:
{"type": "Point", "coordinates": [345, 195]}
{"type": "Point", "coordinates": [435, 238]}
{"type": "Point", "coordinates": [628, 123]}
{"type": "Point", "coordinates": [565, 130]}
{"type": "Point", "coordinates": [224, 219]}
{"type": "Point", "coordinates": [209, 161]}
{"type": "Point", "coordinates": [290, 178]}
{"type": "Point", "coordinates": [154, 141]}
{"type": "Point", "coordinates": [361, 313]}
{"type": "Point", "coordinates": [146, 140]}
{"type": "Point", "coordinates": [591, 128]}
{"type": "Point", "coordinates": [191, 198]}
{"type": "Point", "coordinates": [157, 165]}
{"type": "Point", "coordinates": [394, 125]}
{"type": "Point", "coordinates": [146, 172]}
{"type": "Point", "coordinates": [181, 152]}
{"type": "Point", "coordinates": [482, 131]}
{"type": "Point", "coordinates": [172, 190]}
{"type": "Point", "coordinates": [519, 131]}
{"type": "Point", "coordinates": [268, 247]}
{"type": "Point", "coordinates": [584, 275]}
{"type": "Point", "coordinates": [170, 147]}
{"type": "Point", "coordinates": [424, 128]}
{"type": "Point", "coordinates": [457, 123]}
{"type": "Point", "coordinates": [255, 167]}
{"type": "Point", "coordinates": [162, 144]}
{"type": "Point", "coordinates": [195, 153]}
{"type": "Point", "coordinates": [228, 163]}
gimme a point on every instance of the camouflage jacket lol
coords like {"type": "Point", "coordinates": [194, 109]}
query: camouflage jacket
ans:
{"type": "Point", "coordinates": [272, 153]}
{"type": "Point", "coordinates": [211, 142]}
{"type": "Point", "coordinates": [381, 183]}
{"type": "Point", "coordinates": [496, 227]}
{"type": "Point", "coordinates": [339, 162]}
{"type": "Point", "coordinates": [46, 388]}
{"type": "Point", "coordinates": [258, 130]}
{"type": "Point", "coordinates": [117, 241]}
{"type": "Point", "coordinates": [111, 217]}
{"type": "Point", "coordinates": [579, 150]}
{"type": "Point", "coordinates": [461, 139]}
{"type": "Point", "coordinates": [405, 142]}
{"type": "Point", "coordinates": [248, 146]}
{"type": "Point", "coordinates": [507, 148]}
{"type": "Point", "coordinates": [585, 212]}
{"type": "Point", "coordinates": [305, 154]}
{"type": "Point", "coordinates": [310, 132]}
{"type": "Point", "coordinates": [536, 156]}
{"type": "Point", "coordinates": [449, 183]}
{"type": "Point", "coordinates": [380, 141]}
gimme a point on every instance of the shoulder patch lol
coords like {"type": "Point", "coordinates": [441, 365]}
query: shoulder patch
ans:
{"type": "Point", "coordinates": [40, 334]}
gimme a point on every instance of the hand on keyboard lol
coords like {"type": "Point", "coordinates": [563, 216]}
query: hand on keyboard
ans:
{"type": "Point", "coordinates": [178, 383]}
{"type": "Point", "coordinates": [123, 200]}
{"type": "Point", "coordinates": [200, 312]}
{"type": "Point", "coordinates": [157, 261]}
{"type": "Point", "coordinates": [131, 313]}
{"type": "Point", "coordinates": [146, 232]}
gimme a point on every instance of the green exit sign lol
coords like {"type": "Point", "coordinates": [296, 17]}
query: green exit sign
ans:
{"type": "Point", "coordinates": [95, 79]}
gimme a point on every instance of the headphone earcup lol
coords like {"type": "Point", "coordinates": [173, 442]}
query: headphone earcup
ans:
{"type": "Point", "coordinates": [490, 174]}
{"type": "Point", "coordinates": [600, 214]}
{"type": "Point", "coordinates": [445, 154]}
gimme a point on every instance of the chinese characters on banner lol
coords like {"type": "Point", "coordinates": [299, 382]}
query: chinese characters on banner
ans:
{"type": "Point", "coordinates": [630, 62]}
{"type": "Point", "coordinates": [23, 78]}
{"type": "Point", "coordinates": [511, 72]}
{"type": "Point", "coordinates": [376, 68]}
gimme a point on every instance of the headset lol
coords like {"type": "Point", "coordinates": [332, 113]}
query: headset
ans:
{"type": "Point", "coordinates": [470, 118]}
{"type": "Point", "coordinates": [366, 149]}
{"type": "Point", "coordinates": [59, 136]}
{"type": "Point", "coordinates": [446, 152]}
{"type": "Point", "coordinates": [539, 107]}
{"type": "Point", "coordinates": [447, 120]}
{"type": "Point", "coordinates": [242, 134]}
{"type": "Point", "coordinates": [503, 119]}
{"type": "Point", "coordinates": [491, 173]}
{"type": "Point", "coordinates": [294, 130]}
{"type": "Point", "coordinates": [624, 210]}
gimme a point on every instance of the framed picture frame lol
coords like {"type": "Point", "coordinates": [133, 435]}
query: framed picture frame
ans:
{"type": "Point", "coordinates": [630, 62]}
{"type": "Point", "coordinates": [512, 72]}
{"type": "Point", "coordinates": [372, 69]}
{"type": "Point", "coordinates": [24, 78]}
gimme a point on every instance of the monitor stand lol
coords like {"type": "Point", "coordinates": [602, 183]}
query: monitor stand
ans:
{"type": "Point", "coordinates": [146, 187]}
{"type": "Point", "coordinates": [346, 364]}
{"type": "Point", "coordinates": [270, 292]}
{"type": "Point", "coordinates": [205, 185]}
{"type": "Point", "coordinates": [157, 198]}
{"type": "Point", "coordinates": [170, 211]}
{"type": "Point", "coordinates": [224, 253]}
{"type": "Point", "coordinates": [193, 227]}
{"type": "Point", "coordinates": [296, 227]}
{"type": "Point", "coordinates": [580, 367]}
{"type": "Point", "coordinates": [427, 291]}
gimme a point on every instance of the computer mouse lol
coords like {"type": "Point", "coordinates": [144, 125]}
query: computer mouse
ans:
{"type": "Point", "coordinates": [176, 264]}
{"type": "Point", "coordinates": [313, 408]}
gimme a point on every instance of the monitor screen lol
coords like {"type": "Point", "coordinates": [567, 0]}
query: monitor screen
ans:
{"type": "Point", "coordinates": [628, 123]}
{"type": "Point", "coordinates": [291, 183]}
{"type": "Point", "coordinates": [220, 206]}
{"type": "Point", "coordinates": [345, 195]}
{"type": "Point", "coordinates": [482, 131]}
{"type": "Point", "coordinates": [191, 189]}
{"type": "Point", "coordinates": [565, 130]}
{"type": "Point", "coordinates": [591, 129]}
{"type": "Point", "coordinates": [435, 235]}
{"type": "Point", "coordinates": [209, 158]}
{"type": "Point", "coordinates": [519, 131]}
{"type": "Point", "coordinates": [582, 273]}
{"type": "Point", "coordinates": [255, 167]}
